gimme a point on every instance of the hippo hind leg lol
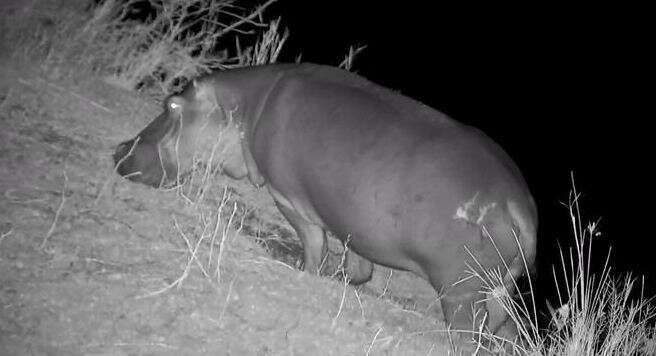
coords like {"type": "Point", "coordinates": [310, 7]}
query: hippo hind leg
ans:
{"type": "Point", "coordinates": [312, 236]}
{"type": "Point", "coordinates": [358, 268]}
{"type": "Point", "coordinates": [464, 307]}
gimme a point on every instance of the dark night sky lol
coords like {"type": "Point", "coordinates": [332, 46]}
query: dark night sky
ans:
{"type": "Point", "coordinates": [561, 89]}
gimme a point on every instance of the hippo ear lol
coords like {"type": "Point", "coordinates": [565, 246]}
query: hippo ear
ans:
{"type": "Point", "coordinates": [205, 96]}
{"type": "Point", "coordinates": [176, 104]}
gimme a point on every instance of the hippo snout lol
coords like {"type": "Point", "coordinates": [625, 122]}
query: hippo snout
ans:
{"type": "Point", "coordinates": [122, 161]}
{"type": "Point", "coordinates": [121, 151]}
{"type": "Point", "coordinates": [138, 162]}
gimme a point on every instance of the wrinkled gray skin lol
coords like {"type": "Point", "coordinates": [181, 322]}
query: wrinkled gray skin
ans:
{"type": "Point", "coordinates": [405, 185]}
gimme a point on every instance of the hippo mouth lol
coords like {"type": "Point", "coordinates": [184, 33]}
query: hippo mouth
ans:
{"type": "Point", "coordinates": [140, 162]}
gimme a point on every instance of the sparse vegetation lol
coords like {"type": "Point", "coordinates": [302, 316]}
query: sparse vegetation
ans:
{"type": "Point", "coordinates": [126, 270]}
{"type": "Point", "coordinates": [599, 315]}
{"type": "Point", "coordinates": [90, 264]}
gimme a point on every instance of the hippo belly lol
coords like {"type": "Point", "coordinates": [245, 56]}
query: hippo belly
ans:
{"type": "Point", "coordinates": [395, 193]}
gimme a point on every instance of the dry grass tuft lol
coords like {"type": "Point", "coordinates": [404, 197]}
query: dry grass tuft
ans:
{"type": "Point", "coordinates": [183, 39]}
{"type": "Point", "coordinates": [347, 62]}
{"type": "Point", "coordinates": [599, 315]}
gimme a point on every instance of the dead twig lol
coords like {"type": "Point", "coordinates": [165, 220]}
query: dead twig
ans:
{"type": "Point", "coordinates": [341, 303]}
{"type": "Point", "coordinates": [145, 344]}
{"type": "Point", "coordinates": [224, 200]}
{"type": "Point", "coordinates": [59, 210]}
{"type": "Point", "coordinates": [185, 273]}
{"type": "Point", "coordinates": [269, 260]}
{"type": "Point", "coordinates": [74, 94]}
{"type": "Point", "coordinates": [227, 300]}
{"type": "Point", "coordinates": [387, 283]}
{"type": "Point", "coordinates": [224, 235]}
{"type": "Point", "coordinates": [5, 234]}
{"type": "Point", "coordinates": [246, 19]}
{"type": "Point", "coordinates": [190, 248]}
{"type": "Point", "coordinates": [357, 296]}
{"type": "Point", "coordinates": [371, 345]}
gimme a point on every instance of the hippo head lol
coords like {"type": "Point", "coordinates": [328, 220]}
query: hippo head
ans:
{"type": "Point", "coordinates": [193, 127]}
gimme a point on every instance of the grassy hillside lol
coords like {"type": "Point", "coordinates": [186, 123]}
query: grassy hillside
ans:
{"type": "Point", "coordinates": [93, 264]}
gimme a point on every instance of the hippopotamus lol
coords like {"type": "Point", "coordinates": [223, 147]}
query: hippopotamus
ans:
{"type": "Point", "coordinates": [400, 184]}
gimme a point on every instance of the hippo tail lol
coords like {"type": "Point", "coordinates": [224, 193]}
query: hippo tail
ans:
{"type": "Point", "coordinates": [524, 227]}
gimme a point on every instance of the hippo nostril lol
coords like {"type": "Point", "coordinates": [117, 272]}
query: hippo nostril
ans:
{"type": "Point", "coordinates": [119, 155]}
{"type": "Point", "coordinates": [124, 166]}
{"type": "Point", "coordinates": [123, 146]}
{"type": "Point", "coordinates": [124, 150]}
{"type": "Point", "coordinates": [121, 158]}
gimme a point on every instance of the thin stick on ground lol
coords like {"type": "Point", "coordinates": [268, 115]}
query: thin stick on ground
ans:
{"type": "Point", "coordinates": [59, 210]}
{"type": "Point", "coordinates": [160, 291]}
{"type": "Point", "coordinates": [144, 344]}
{"type": "Point", "coordinates": [227, 300]}
{"type": "Point", "coordinates": [190, 248]}
{"type": "Point", "coordinates": [222, 246]}
{"type": "Point", "coordinates": [217, 223]}
{"type": "Point", "coordinates": [387, 283]}
{"type": "Point", "coordinates": [323, 263]}
{"type": "Point", "coordinates": [357, 296]}
{"type": "Point", "coordinates": [341, 303]}
{"type": "Point", "coordinates": [371, 345]}
{"type": "Point", "coordinates": [74, 94]}
{"type": "Point", "coordinates": [185, 273]}
{"type": "Point", "coordinates": [345, 278]}
{"type": "Point", "coordinates": [5, 234]}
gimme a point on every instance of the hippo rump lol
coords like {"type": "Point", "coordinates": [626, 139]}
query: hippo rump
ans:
{"type": "Point", "coordinates": [400, 183]}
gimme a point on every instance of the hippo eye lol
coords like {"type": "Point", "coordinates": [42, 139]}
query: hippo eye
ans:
{"type": "Point", "coordinates": [176, 105]}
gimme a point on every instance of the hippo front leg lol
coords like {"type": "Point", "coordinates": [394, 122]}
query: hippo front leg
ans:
{"type": "Point", "coordinates": [312, 236]}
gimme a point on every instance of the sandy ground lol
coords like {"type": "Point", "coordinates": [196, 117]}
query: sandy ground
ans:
{"type": "Point", "coordinates": [93, 265]}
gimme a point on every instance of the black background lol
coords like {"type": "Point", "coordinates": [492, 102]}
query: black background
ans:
{"type": "Point", "coordinates": [562, 89]}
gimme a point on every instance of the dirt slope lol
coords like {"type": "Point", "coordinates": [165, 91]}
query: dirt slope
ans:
{"type": "Point", "coordinates": [92, 271]}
